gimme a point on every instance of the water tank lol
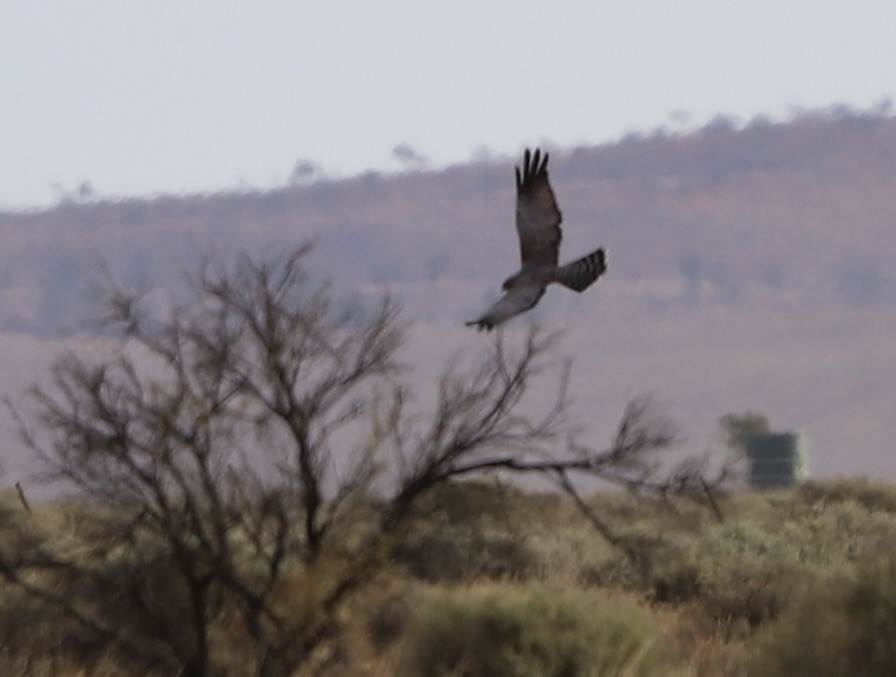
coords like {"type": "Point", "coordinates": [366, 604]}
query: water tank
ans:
{"type": "Point", "coordinates": [776, 459]}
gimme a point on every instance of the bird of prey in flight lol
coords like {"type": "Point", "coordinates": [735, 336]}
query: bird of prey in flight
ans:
{"type": "Point", "coordinates": [538, 226]}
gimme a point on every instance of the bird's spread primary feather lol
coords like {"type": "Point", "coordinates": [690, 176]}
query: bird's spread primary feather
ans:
{"type": "Point", "coordinates": [538, 225]}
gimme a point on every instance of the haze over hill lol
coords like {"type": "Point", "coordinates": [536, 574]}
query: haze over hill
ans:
{"type": "Point", "coordinates": [749, 268]}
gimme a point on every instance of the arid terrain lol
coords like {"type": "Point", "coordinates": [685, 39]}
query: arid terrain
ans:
{"type": "Point", "coordinates": [751, 268]}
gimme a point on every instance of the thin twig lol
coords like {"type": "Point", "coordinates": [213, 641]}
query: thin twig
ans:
{"type": "Point", "coordinates": [22, 498]}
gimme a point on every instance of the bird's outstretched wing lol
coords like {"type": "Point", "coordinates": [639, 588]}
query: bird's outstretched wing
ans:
{"type": "Point", "coordinates": [514, 302]}
{"type": "Point", "coordinates": [537, 215]}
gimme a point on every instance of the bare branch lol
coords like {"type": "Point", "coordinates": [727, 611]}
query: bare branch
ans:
{"type": "Point", "coordinates": [223, 442]}
{"type": "Point", "coordinates": [166, 430]}
{"type": "Point", "coordinates": [481, 412]}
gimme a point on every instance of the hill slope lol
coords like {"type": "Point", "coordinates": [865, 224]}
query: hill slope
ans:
{"type": "Point", "coordinates": [749, 269]}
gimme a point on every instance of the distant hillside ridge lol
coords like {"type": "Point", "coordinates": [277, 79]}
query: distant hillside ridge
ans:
{"type": "Point", "coordinates": [798, 212]}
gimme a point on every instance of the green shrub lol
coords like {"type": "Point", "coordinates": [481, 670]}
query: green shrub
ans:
{"type": "Point", "coordinates": [846, 627]}
{"type": "Point", "coordinates": [508, 630]}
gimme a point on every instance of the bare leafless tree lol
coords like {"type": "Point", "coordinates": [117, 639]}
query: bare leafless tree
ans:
{"type": "Point", "coordinates": [210, 434]}
{"type": "Point", "coordinates": [222, 443]}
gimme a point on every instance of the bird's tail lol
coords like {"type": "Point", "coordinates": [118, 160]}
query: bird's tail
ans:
{"type": "Point", "coordinates": [581, 274]}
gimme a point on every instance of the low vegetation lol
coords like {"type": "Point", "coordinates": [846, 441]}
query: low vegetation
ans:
{"type": "Point", "coordinates": [788, 583]}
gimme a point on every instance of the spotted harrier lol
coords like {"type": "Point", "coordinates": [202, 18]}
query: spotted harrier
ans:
{"type": "Point", "coordinates": [538, 226]}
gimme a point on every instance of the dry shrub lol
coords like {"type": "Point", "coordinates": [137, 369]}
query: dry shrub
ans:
{"type": "Point", "coordinates": [846, 626]}
{"type": "Point", "coordinates": [475, 502]}
{"type": "Point", "coordinates": [872, 496]}
{"type": "Point", "coordinates": [708, 654]}
{"type": "Point", "coordinates": [388, 615]}
{"type": "Point", "coordinates": [457, 554]}
{"type": "Point", "coordinates": [508, 630]}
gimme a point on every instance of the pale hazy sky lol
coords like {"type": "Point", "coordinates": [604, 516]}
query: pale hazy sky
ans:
{"type": "Point", "coordinates": [146, 97]}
